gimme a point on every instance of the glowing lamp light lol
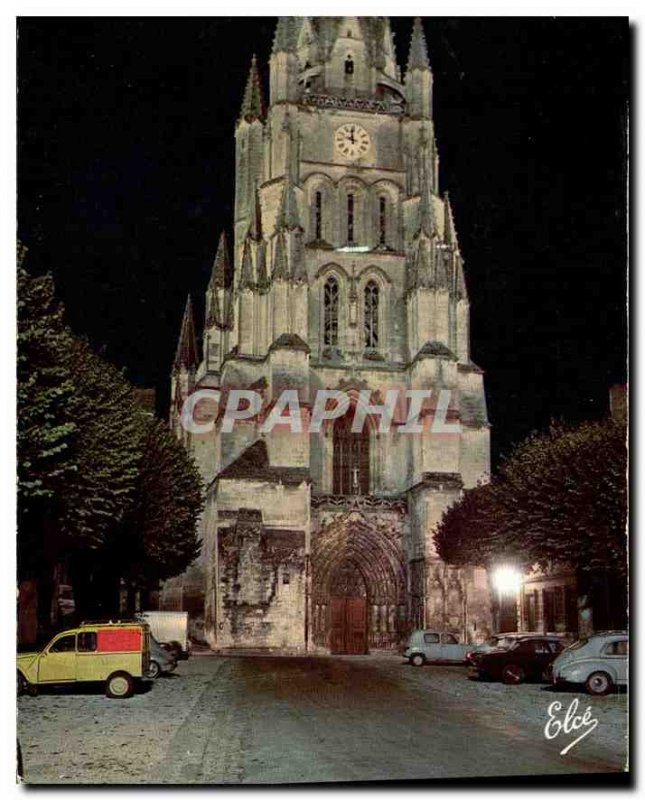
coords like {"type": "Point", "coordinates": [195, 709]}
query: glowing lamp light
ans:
{"type": "Point", "coordinates": [507, 580]}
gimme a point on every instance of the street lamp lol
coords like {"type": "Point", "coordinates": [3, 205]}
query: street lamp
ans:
{"type": "Point", "coordinates": [507, 580]}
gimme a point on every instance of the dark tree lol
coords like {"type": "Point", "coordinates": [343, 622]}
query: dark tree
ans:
{"type": "Point", "coordinates": [45, 432]}
{"type": "Point", "coordinates": [561, 497]}
{"type": "Point", "coordinates": [159, 538]}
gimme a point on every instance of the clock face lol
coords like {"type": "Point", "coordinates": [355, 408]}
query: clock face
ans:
{"type": "Point", "coordinates": [351, 141]}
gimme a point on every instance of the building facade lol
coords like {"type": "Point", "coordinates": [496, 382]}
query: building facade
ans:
{"type": "Point", "coordinates": [343, 272]}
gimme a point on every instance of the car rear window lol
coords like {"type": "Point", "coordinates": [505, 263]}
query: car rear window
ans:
{"type": "Point", "coordinates": [118, 639]}
{"type": "Point", "coordinates": [619, 648]}
{"type": "Point", "coordinates": [506, 642]}
{"type": "Point", "coordinates": [431, 638]}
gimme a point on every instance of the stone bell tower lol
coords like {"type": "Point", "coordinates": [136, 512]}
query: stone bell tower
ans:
{"type": "Point", "coordinates": [343, 272]}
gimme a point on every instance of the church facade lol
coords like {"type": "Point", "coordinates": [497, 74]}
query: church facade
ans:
{"type": "Point", "coordinates": [343, 272]}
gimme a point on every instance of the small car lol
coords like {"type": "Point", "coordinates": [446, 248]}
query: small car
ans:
{"type": "Point", "coordinates": [115, 653]}
{"type": "Point", "coordinates": [498, 640]}
{"type": "Point", "coordinates": [598, 661]}
{"type": "Point", "coordinates": [526, 657]}
{"type": "Point", "coordinates": [433, 645]}
{"type": "Point", "coordinates": [161, 660]}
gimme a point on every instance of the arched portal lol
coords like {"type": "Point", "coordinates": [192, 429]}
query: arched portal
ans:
{"type": "Point", "coordinates": [358, 588]}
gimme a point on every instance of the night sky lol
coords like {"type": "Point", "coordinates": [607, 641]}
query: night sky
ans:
{"type": "Point", "coordinates": [125, 165]}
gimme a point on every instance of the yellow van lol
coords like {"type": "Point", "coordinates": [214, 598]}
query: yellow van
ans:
{"type": "Point", "coordinates": [116, 653]}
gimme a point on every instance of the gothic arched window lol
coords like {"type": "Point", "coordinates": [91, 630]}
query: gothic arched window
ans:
{"type": "Point", "coordinates": [330, 312]}
{"type": "Point", "coordinates": [371, 315]}
{"type": "Point", "coordinates": [351, 467]}
{"type": "Point", "coordinates": [318, 216]}
{"type": "Point", "coordinates": [382, 219]}
{"type": "Point", "coordinates": [349, 66]}
{"type": "Point", "coordinates": [350, 218]}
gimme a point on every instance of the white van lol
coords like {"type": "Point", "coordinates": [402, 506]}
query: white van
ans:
{"type": "Point", "coordinates": [169, 628]}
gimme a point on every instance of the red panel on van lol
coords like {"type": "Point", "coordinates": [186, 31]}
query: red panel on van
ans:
{"type": "Point", "coordinates": [118, 639]}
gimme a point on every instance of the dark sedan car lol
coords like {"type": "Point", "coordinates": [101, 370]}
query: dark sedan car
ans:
{"type": "Point", "coordinates": [524, 659]}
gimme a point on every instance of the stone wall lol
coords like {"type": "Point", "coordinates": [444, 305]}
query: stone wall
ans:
{"type": "Point", "coordinates": [261, 579]}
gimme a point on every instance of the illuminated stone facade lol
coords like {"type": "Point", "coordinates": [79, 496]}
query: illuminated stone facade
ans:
{"type": "Point", "coordinates": [343, 272]}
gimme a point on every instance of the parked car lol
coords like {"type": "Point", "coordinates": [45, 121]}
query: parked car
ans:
{"type": "Point", "coordinates": [115, 653]}
{"type": "Point", "coordinates": [497, 640]}
{"type": "Point", "coordinates": [526, 657]}
{"type": "Point", "coordinates": [170, 629]}
{"type": "Point", "coordinates": [161, 660]}
{"type": "Point", "coordinates": [599, 662]}
{"type": "Point", "coordinates": [431, 645]}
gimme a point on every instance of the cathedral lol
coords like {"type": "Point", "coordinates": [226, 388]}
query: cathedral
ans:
{"type": "Point", "coordinates": [342, 272]}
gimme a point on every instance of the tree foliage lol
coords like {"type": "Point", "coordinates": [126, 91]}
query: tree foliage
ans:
{"type": "Point", "coordinates": [106, 449]}
{"type": "Point", "coordinates": [161, 525]}
{"type": "Point", "coordinates": [561, 496]}
{"type": "Point", "coordinates": [44, 388]}
{"type": "Point", "coordinates": [99, 483]}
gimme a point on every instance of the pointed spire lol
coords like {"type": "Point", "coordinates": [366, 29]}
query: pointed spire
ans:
{"type": "Point", "coordinates": [284, 39]}
{"type": "Point", "coordinates": [449, 232]}
{"type": "Point", "coordinates": [308, 37]}
{"type": "Point", "coordinates": [253, 102]}
{"type": "Point", "coordinates": [423, 263]}
{"type": "Point", "coordinates": [418, 58]}
{"type": "Point", "coordinates": [411, 271]}
{"type": "Point", "coordinates": [427, 222]}
{"type": "Point", "coordinates": [288, 217]}
{"type": "Point", "coordinates": [441, 278]}
{"type": "Point", "coordinates": [213, 310]}
{"type": "Point", "coordinates": [280, 263]}
{"type": "Point", "coordinates": [246, 270]}
{"type": "Point", "coordinates": [255, 226]}
{"type": "Point", "coordinates": [299, 272]}
{"type": "Point", "coordinates": [261, 266]}
{"type": "Point", "coordinates": [229, 311]}
{"type": "Point", "coordinates": [461, 291]}
{"type": "Point", "coordinates": [186, 355]}
{"type": "Point", "coordinates": [221, 273]}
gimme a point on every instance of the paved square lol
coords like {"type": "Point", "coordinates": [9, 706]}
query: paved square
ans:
{"type": "Point", "coordinates": [275, 720]}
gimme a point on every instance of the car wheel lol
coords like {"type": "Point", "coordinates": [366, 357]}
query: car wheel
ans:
{"type": "Point", "coordinates": [153, 671]}
{"type": "Point", "coordinates": [512, 674]}
{"type": "Point", "coordinates": [21, 683]}
{"type": "Point", "coordinates": [599, 683]}
{"type": "Point", "coordinates": [119, 685]}
{"type": "Point", "coordinates": [417, 660]}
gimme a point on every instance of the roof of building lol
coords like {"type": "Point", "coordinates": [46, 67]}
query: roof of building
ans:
{"type": "Point", "coordinates": [290, 341]}
{"type": "Point", "coordinates": [253, 464]}
{"type": "Point", "coordinates": [186, 355]}
{"type": "Point", "coordinates": [436, 350]}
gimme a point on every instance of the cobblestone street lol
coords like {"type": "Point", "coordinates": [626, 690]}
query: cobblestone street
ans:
{"type": "Point", "coordinates": [273, 720]}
